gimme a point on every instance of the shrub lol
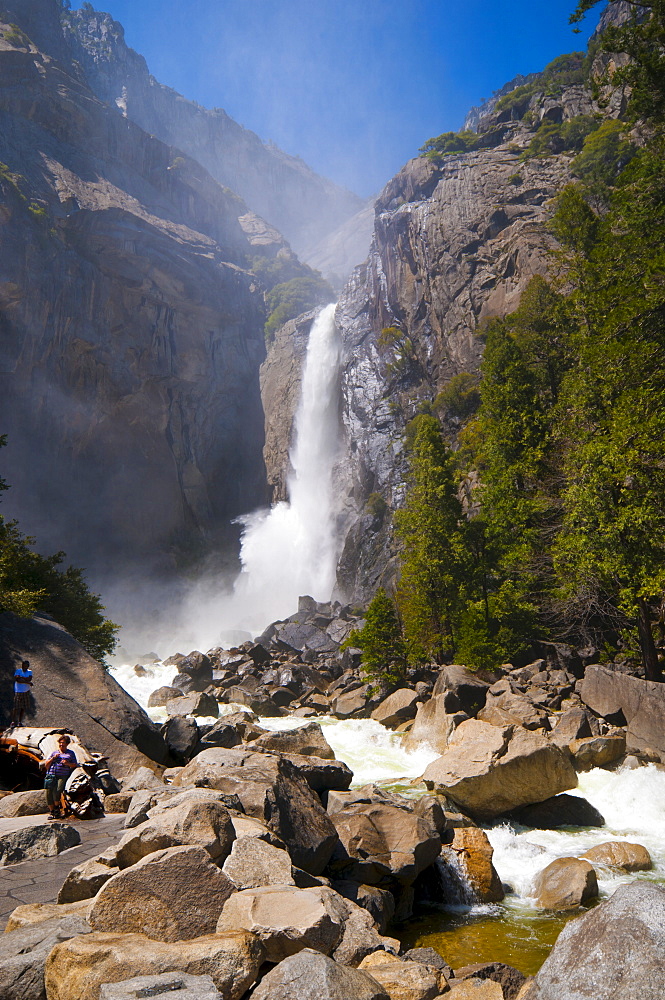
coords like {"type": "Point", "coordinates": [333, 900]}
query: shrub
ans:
{"type": "Point", "coordinates": [291, 298]}
{"type": "Point", "coordinates": [381, 641]}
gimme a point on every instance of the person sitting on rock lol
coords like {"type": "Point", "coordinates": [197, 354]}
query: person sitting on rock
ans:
{"type": "Point", "coordinates": [59, 766]}
{"type": "Point", "coordinates": [22, 685]}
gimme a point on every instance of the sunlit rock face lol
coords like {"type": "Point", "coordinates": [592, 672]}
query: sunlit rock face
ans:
{"type": "Point", "coordinates": [132, 331]}
{"type": "Point", "coordinates": [281, 188]}
{"type": "Point", "coordinates": [454, 244]}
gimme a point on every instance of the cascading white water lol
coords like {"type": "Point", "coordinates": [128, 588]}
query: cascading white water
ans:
{"type": "Point", "coordinates": [292, 548]}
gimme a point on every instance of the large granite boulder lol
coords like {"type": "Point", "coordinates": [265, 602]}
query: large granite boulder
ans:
{"type": "Point", "coordinates": [406, 980]}
{"type": "Point", "coordinates": [461, 689]}
{"type": "Point", "coordinates": [473, 853]}
{"type": "Point", "coordinates": [434, 724]}
{"type": "Point", "coordinates": [38, 913]}
{"type": "Point", "coordinates": [565, 884]}
{"type": "Point", "coordinates": [177, 986]}
{"type": "Point", "coordinates": [597, 751]}
{"type": "Point", "coordinates": [31, 803]}
{"type": "Point", "coordinates": [309, 975]}
{"type": "Point", "coordinates": [383, 843]}
{"type": "Point", "coordinates": [614, 950]}
{"type": "Point", "coordinates": [171, 895]}
{"type": "Point", "coordinates": [307, 740]}
{"type": "Point", "coordinates": [85, 880]}
{"type": "Point", "coordinates": [253, 863]}
{"type": "Point", "coordinates": [33, 842]}
{"type": "Point", "coordinates": [613, 694]}
{"type": "Point", "coordinates": [272, 790]}
{"type": "Point", "coordinates": [23, 954]}
{"type": "Point", "coordinates": [194, 818]}
{"type": "Point", "coordinates": [398, 707]}
{"type": "Point", "coordinates": [76, 969]}
{"type": "Point", "coordinates": [509, 979]}
{"type": "Point", "coordinates": [490, 770]}
{"type": "Point", "coordinates": [621, 855]}
{"type": "Point", "coordinates": [74, 691]}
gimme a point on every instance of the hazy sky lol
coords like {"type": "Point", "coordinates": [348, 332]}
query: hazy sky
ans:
{"type": "Point", "coordinates": [354, 87]}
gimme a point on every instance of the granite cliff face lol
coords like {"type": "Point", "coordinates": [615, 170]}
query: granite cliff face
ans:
{"type": "Point", "coordinates": [132, 331]}
{"type": "Point", "coordinates": [281, 188]}
{"type": "Point", "coordinates": [454, 243]}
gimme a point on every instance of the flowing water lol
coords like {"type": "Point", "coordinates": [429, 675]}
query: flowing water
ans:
{"type": "Point", "coordinates": [291, 550]}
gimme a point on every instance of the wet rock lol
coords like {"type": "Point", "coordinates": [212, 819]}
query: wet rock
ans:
{"type": "Point", "coordinates": [511, 980]}
{"type": "Point", "coordinates": [398, 707]}
{"type": "Point", "coordinates": [560, 810]}
{"type": "Point", "coordinates": [253, 863]}
{"type": "Point", "coordinates": [594, 957]}
{"type": "Point", "coordinates": [171, 895]}
{"type": "Point", "coordinates": [178, 985]}
{"type": "Point", "coordinates": [272, 790]}
{"type": "Point", "coordinates": [309, 975]}
{"type": "Point", "coordinates": [489, 770]}
{"type": "Point", "coordinates": [565, 884]}
{"type": "Point", "coordinates": [161, 695]}
{"type": "Point", "coordinates": [597, 751]}
{"type": "Point", "coordinates": [473, 852]}
{"type": "Point", "coordinates": [79, 967]}
{"type": "Point", "coordinates": [23, 955]}
{"type": "Point", "coordinates": [619, 854]}
{"type": "Point", "coordinates": [33, 842]}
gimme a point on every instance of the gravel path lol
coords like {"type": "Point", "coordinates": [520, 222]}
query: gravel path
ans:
{"type": "Point", "coordinates": [40, 881]}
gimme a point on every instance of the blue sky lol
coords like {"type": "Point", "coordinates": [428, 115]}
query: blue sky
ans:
{"type": "Point", "coordinates": [354, 87]}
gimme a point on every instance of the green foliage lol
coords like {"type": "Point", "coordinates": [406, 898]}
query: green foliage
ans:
{"type": "Point", "coordinates": [604, 155]}
{"type": "Point", "coordinates": [376, 505]}
{"type": "Point", "coordinates": [30, 582]}
{"type": "Point", "coordinates": [515, 180]}
{"type": "Point", "coordinates": [564, 71]}
{"type": "Point", "coordinates": [16, 36]}
{"type": "Point", "coordinates": [559, 137]}
{"type": "Point", "coordinates": [381, 641]}
{"type": "Point", "coordinates": [450, 144]}
{"type": "Point", "coordinates": [291, 298]}
{"type": "Point", "coordinates": [277, 270]}
{"type": "Point", "coordinates": [37, 211]}
{"type": "Point", "coordinates": [390, 337]}
{"type": "Point", "coordinates": [460, 398]}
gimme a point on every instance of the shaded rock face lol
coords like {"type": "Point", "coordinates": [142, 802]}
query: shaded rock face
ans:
{"type": "Point", "coordinates": [642, 703]}
{"type": "Point", "coordinates": [74, 691]}
{"type": "Point", "coordinates": [132, 332]}
{"type": "Point", "coordinates": [281, 188]}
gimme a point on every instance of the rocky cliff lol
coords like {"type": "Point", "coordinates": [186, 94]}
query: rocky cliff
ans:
{"type": "Point", "coordinates": [132, 330]}
{"type": "Point", "coordinates": [455, 242]}
{"type": "Point", "coordinates": [281, 188]}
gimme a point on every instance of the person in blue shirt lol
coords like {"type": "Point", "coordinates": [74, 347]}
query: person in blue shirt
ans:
{"type": "Point", "coordinates": [22, 685]}
{"type": "Point", "coordinates": [59, 766]}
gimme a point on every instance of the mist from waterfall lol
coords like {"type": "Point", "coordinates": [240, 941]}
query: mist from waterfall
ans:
{"type": "Point", "coordinates": [291, 549]}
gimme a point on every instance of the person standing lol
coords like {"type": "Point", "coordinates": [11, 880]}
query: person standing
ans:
{"type": "Point", "coordinates": [59, 766]}
{"type": "Point", "coordinates": [22, 685]}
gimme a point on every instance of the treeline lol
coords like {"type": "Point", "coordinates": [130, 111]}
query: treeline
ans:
{"type": "Point", "coordinates": [30, 583]}
{"type": "Point", "coordinates": [549, 518]}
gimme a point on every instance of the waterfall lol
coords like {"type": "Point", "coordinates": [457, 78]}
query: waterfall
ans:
{"type": "Point", "coordinates": [291, 549]}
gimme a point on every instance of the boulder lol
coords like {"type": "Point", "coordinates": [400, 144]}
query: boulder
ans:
{"type": "Point", "coordinates": [565, 884]}
{"type": "Point", "coordinates": [178, 985]}
{"type": "Point", "coordinates": [33, 842]}
{"type": "Point", "coordinates": [194, 818]}
{"type": "Point", "coordinates": [77, 969]}
{"type": "Point", "coordinates": [74, 691]}
{"type": "Point", "coordinates": [560, 810]}
{"type": "Point", "coordinates": [572, 725]}
{"type": "Point", "coordinates": [475, 989]}
{"type": "Point", "coordinates": [200, 704]}
{"type": "Point", "coordinates": [182, 738]}
{"type": "Point", "coordinates": [321, 775]}
{"type": "Point", "coordinates": [306, 740]}
{"type": "Point", "coordinates": [619, 854]}
{"type": "Point", "coordinates": [462, 690]}
{"type": "Point", "coordinates": [23, 954]}
{"type": "Point", "coordinates": [597, 751]}
{"type": "Point", "coordinates": [383, 844]}
{"type": "Point", "coordinates": [614, 950]}
{"type": "Point", "coordinates": [360, 937]}
{"type": "Point", "coordinates": [171, 895]}
{"type": "Point", "coordinates": [511, 980]}
{"type": "Point", "coordinates": [428, 956]}
{"type": "Point", "coordinates": [117, 802]}
{"type": "Point", "coordinates": [32, 803]}
{"type": "Point", "coordinates": [272, 790]}
{"type": "Point", "coordinates": [142, 779]}
{"type": "Point", "coordinates": [379, 903]}
{"type": "Point", "coordinates": [408, 980]}
{"type": "Point", "coordinates": [287, 919]}
{"type": "Point", "coordinates": [85, 880]}
{"type": "Point", "coordinates": [619, 696]}
{"type": "Point", "coordinates": [434, 725]}
{"type": "Point", "coordinates": [37, 913]}
{"type": "Point", "coordinates": [161, 695]}
{"type": "Point", "coordinates": [398, 707]}
{"type": "Point", "coordinates": [351, 702]}
{"type": "Point", "coordinates": [245, 826]}
{"type": "Point", "coordinates": [514, 709]}
{"type": "Point", "coordinates": [473, 852]}
{"type": "Point", "coordinates": [223, 734]}
{"type": "Point", "coordinates": [309, 975]}
{"type": "Point", "coordinates": [253, 863]}
{"type": "Point", "coordinates": [490, 770]}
